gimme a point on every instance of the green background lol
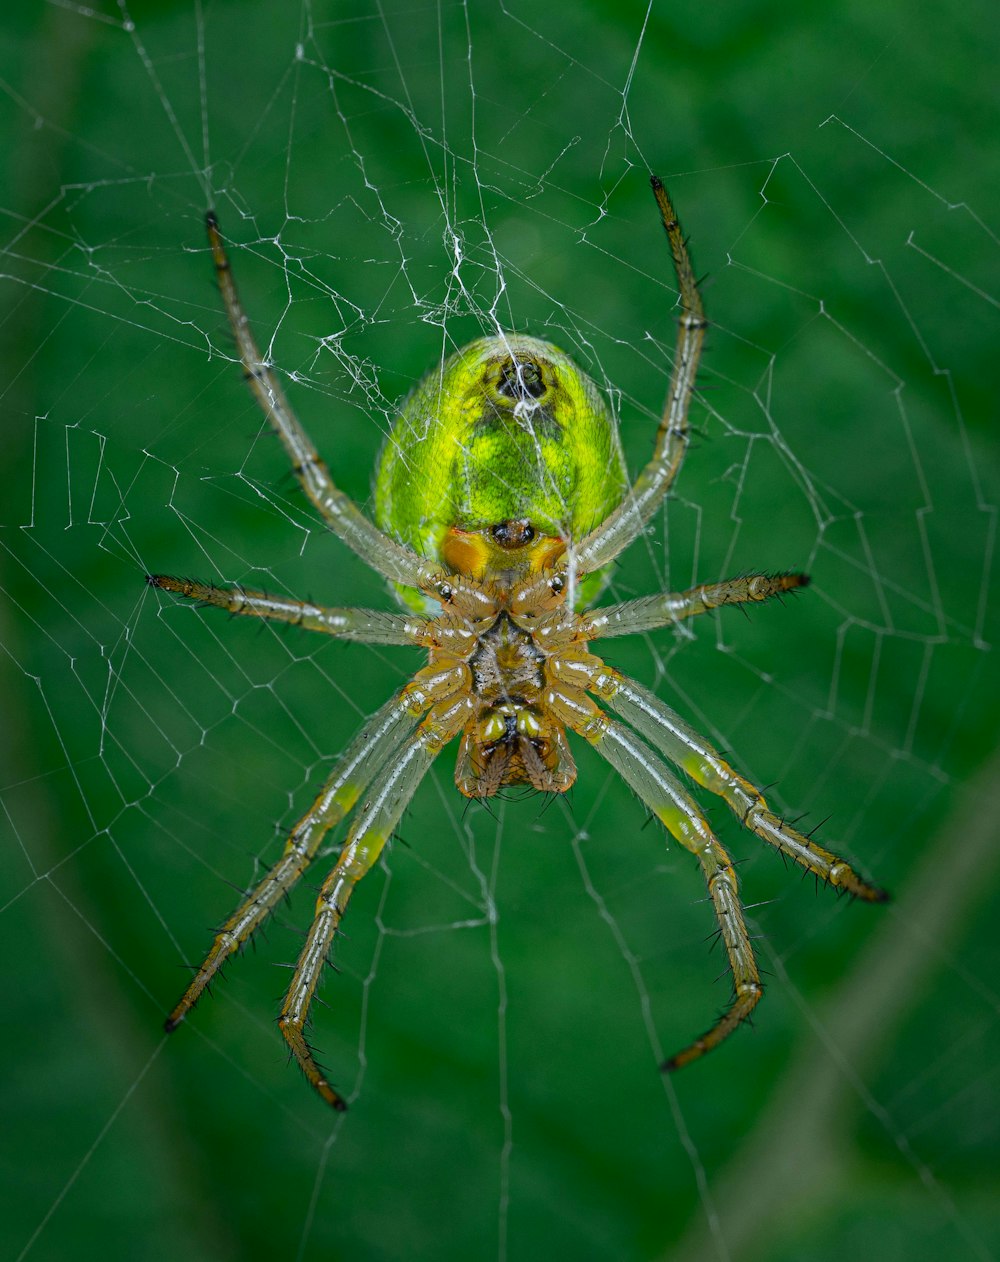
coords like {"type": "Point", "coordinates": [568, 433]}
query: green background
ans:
{"type": "Point", "coordinates": [508, 982]}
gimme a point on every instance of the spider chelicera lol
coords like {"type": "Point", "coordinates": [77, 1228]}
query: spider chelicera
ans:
{"type": "Point", "coordinates": [501, 497]}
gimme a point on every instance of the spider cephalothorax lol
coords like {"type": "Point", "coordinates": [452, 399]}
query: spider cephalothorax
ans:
{"type": "Point", "coordinates": [501, 498]}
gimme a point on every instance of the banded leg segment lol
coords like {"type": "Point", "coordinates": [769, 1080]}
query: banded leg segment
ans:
{"type": "Point", "coordinates": [377, 742]}
{"type": "Point", "coordinates": [627, 521]}
{"type": "Point", "coordinates": [341, 514]}
{"type": "Point", "coordinates": [370, 626]}
{"type": "Point", "coordinates": [649, 613]}
{"type": "Point", "coordinates": [374, 822]}
{"type": "Point", "coordinates": [668, 732]}
{"type": "Point", "coordinates": [660, 791]}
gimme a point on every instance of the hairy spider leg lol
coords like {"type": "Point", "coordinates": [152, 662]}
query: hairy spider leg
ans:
{"type": "Point", "coordinates": [659, 790]}
{"type": "Point", "coordinates": [345, 519]}
{"type": "Point", "coordinates": [369, 626]}
{"type": "Point", "coordinates": [376, 743]}
{"type": "Point", "coordinates": [628, 520]}
{"type": "Point", "coordinates": [668, 732]}
{"type": "Point", "coordinates": [373, 824]}
{"type": "Point", "coordinates": [649, 613]}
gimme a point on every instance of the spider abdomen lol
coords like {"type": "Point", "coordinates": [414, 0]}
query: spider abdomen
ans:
{"type": "Point", "coordinates": [499, 458]}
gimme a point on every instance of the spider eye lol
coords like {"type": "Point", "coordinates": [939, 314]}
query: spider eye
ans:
{"type": "Point", "coordinates": [521, 379]}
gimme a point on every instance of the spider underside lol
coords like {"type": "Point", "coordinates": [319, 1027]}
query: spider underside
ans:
{"type": "Point", "coordinates": [509, 673]}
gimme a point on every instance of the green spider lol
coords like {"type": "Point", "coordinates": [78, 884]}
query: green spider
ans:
{"type": "Point", "coordinates": [501, 497]}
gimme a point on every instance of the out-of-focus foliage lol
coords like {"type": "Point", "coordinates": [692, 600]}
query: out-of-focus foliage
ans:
{"type": "Point", "coordinates": [830, 168]}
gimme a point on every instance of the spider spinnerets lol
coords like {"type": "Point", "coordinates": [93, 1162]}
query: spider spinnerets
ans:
{"type": "Point", "coordinates": [501, 497]}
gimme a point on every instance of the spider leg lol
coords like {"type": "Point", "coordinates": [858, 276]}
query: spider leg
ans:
{"type": "Point", "coordinates": [668, 732]}
{"type": "Point", "coordinates": [376, 743]}
{"type": "Point", "coordinates": [627, 521]}
{"type": "Point", "coordinates": [339, 511]}
{"type": "Point", "coordinates": [370, 626]}
{"type": "Point", "coordinates": [373, 824]}
{"type": "Point", "coordinates": [659, 790]}
{"type": "Point", "coordinates": [648, 613]}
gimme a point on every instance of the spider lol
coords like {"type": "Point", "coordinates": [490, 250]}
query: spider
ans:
{"type": "Point", "coordinates": [501, 498]}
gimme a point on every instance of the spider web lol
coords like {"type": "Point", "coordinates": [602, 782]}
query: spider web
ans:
{"type": "Point", "coordinates": [393, 181]}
